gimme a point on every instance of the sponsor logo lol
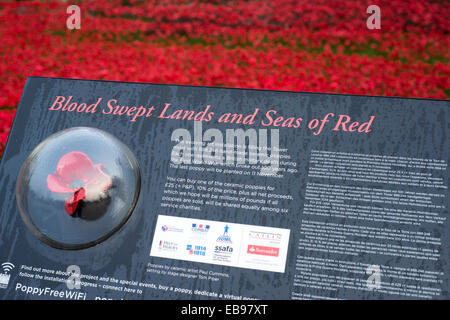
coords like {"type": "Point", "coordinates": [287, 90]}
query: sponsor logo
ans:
{"type": "Point", "coordinates": [196, 250]}
{"type": "Point", "coordinates": [223, 253]}
{"type": "Point", "coordinates": [166, 228]}
{"type": "Point", "coordinates": [268, 236]}
{"type": "Point", "coordinates": [223, 249]}
{"type": "Point", "coordinates": [263, 251]}
{"type": "Point", "coordinates": [168, 246]}
{"type": "Point", "coordinates": [200, 228]}
{"type": "Point", "coordinates": [225, 237]}
{"type": "Point", "coordinates": [199, 231]}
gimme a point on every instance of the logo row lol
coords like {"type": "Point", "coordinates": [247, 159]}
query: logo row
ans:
{"type": "Point", "coordinates": [223, 243]}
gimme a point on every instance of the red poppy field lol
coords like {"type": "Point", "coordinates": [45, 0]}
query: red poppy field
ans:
{"type": "Point", "coordinates": [317, 46]}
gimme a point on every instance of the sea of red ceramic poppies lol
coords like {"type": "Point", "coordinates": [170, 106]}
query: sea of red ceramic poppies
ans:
{"type": "Point", "coordinates": [318, 45]}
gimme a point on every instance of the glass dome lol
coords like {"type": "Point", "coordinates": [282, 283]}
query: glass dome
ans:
{"type": "Point", "coordinates": [78, 187]}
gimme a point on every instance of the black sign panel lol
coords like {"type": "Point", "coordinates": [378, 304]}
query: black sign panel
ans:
{"type": "Point", "coordinates": [112, 190]}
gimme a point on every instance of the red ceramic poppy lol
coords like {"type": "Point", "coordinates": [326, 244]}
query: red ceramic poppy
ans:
{"type": "Point", "coordinates": [77, 175]}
